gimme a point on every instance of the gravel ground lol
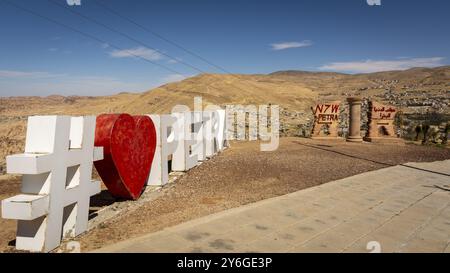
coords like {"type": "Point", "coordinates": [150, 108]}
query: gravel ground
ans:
{"type": "Point", "coordinates": [242, 175]}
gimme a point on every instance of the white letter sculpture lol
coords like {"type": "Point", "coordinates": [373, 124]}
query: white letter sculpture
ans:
{"type": "Point", "coordinates": [166, 144]}
{"type": "Point", "coordinates": [184, 157]}
{"type": "Point", "coordinates": [56, 182]}
{"type": "Point", "coordinates": [199, 148]}
{"type": "Point", "coordinates": [215, 131]}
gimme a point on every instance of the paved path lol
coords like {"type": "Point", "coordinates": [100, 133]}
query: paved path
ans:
{"type": "Point", "coordinates": [399, 209]}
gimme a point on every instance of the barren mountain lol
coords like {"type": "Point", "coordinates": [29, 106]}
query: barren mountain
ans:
{"type": "Point", "coordinates": [408, 82]}
{"type": "Point", "coordinates": [418, 90]}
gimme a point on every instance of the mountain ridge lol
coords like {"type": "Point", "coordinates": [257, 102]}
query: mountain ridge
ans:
{"type": "Point", "coordinates": [415, 91]}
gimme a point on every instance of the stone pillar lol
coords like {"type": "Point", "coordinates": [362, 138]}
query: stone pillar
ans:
{"type": "Point", "coordinates": [355, 120]}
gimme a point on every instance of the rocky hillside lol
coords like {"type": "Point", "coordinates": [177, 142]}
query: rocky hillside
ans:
{"type": "Point", "coordinates": [416, 91]}
{"type": "Point", "coordinates": [214, 89]}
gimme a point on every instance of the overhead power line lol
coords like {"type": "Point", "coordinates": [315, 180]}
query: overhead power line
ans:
{"type": "Point", "coordinates": [101, 41]}
{"type": "Point", "coordinates": [88, 35]}
{"type": "Point", "coordinates": [158, 35]}
{"type": "Point", "coordinates": [147, 45]}
{"type": "Point", "coordinates": [66, 7]}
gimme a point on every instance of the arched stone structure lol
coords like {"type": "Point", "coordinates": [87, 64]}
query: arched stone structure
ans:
{"type": "Point", "coordinates": [381, 122]}
{"type": "Point", "coordinates": [326, 120]}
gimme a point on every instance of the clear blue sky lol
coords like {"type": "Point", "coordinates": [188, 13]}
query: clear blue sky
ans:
{"type": "Point", "coordinates": [38, 57]}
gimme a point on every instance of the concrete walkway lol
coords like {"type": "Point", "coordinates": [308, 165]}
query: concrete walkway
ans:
{"type": "Point", "coordinates": [396, 209]}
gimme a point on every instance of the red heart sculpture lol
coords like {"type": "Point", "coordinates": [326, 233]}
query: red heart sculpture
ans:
{"type": "Point", "coordinates": [129, 145]}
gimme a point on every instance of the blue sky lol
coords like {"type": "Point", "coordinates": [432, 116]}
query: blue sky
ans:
{"type": "Point", "coordinates": [39, 57]}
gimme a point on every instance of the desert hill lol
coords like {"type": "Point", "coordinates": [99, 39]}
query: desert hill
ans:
{"type": "Point", "coordinates": [434, 80]}
{"type": "Point", "coordinates": [417, 90]}
{"type": "Point", "coordinates": [222, 90]}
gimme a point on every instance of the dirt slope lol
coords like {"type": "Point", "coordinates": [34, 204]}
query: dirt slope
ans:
{"type": "Point", "coordinates": [215, 89]}
{"type": "Point", "coordinates": [416, 90]}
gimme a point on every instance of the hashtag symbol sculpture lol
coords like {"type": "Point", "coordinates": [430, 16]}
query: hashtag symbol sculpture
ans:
{"type": "Point", "coordinates": [56, 181]}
